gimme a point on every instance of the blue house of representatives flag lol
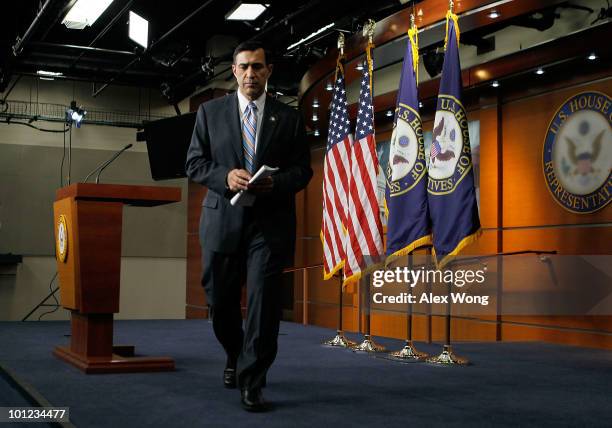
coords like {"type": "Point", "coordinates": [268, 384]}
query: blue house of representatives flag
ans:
{"type": "Point", "coordinates": [450, 186]}
{"type": "Point", "coordinates": [406, 192]}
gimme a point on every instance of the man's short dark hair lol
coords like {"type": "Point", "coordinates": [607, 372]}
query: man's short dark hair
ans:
{"type": "Point", "coordinates": [251, 45]}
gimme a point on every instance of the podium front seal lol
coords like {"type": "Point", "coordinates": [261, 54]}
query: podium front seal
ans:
{"type": "Point", "coordinates": [61, 241]}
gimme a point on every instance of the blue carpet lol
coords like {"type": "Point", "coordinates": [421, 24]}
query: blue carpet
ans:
{"type": "Point", "coordinates": [508, 384]}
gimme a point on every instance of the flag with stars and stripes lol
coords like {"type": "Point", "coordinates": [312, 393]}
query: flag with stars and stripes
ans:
{"type": "Point", "coordinates": [365, 244]}
{"type": "Point", "coordinates": [406, 191]}
{"type": "Point", "coordinates": [336, 169]}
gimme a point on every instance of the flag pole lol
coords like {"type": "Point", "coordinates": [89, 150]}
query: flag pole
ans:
{"type": "Point", "coordinates": [409, 352]}
{"type": "Point", "coordinates": [340, 339]}
{"type": "Point", "coordinates": [368, 345]}
{"type": "Point", "coordinates": [448, 357]}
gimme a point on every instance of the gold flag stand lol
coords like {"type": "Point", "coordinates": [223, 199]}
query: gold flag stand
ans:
{"type": "Point", "coordinates": [409, 352]}
{"type": "Point", "coordinates": [340, 339]}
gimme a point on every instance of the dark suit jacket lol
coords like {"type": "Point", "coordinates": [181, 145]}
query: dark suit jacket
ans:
{"type": "Point", "coordinates": [216, 148]}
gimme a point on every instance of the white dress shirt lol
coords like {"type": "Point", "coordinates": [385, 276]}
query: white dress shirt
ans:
{"type": "Point", "coordinates": [260, 102]}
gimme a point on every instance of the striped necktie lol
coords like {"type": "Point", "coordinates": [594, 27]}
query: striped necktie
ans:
{"type": "Point", "coordinates": [249, 131]}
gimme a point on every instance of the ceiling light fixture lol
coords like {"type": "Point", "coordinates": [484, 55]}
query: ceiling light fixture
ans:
{"type": "Point", "coordinates": [315, 103]}
{"type": "Point", "coordinates": [494, 14]}
{"type": "Point", "coordinates": [420, 104]}
{"type": "Point", "coordinates": [246, 11]}
{"type": "Point", "coordinates": [139, 29]}
{"type": "Point", "coordinates": [539, 71]}
{"type": "Point", "coordinates": [49, 73]}
{"type": "Point", "coordinates": [329, 87]}
{"type": "Point", "coordinates": [359, 66]}
{"type": "Point", "coordinates": [592, 56]}
{"type": "Point", "coordinates": [389, 113]}
{"type": "Point", "coordinates": [84, 13]}
{"type": "Point", "coordinates": [311, 35]}
{"type": "Point", "coordinates": [315, 117]}
{"type": "Point", "coordinates": [316, 133]}
{"type": "Point", "coordinates": [495, 84]}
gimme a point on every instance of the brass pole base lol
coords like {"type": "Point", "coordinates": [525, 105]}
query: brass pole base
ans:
{"type": "Point", "coordinates": [409, 352]}
{"type": "Point", "coordinates": [448, 357]}
{"type": "Point", "coordinates": [368, 345]}
{"type": "Point", "coordinates": [340, 340]}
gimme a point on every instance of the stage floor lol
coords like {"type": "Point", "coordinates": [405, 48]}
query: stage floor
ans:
{"type": "Point", "coordinates": [507, 384]}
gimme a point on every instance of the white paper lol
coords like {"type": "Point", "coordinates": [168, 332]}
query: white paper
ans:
{"type": "Point", "coordinates": [246, 199]}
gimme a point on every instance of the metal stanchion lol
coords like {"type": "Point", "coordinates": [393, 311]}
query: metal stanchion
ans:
{"type": "Point", "coordinates": [340, 339]}
{"type": "Point", "coordinates": [368, 345]}
{"type": "Point", "coordinates": [447, 356]}
{"type": "Point", "coordinates": [409, 352]}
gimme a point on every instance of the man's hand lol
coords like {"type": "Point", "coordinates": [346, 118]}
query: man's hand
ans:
{"type": "Point", "coordinates": [263, 185]}
{"type": "Point", "coordinates": [238, 179]}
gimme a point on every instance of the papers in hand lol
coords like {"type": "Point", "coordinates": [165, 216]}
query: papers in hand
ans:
{"type": "Point", "coordinates": [246, 199]}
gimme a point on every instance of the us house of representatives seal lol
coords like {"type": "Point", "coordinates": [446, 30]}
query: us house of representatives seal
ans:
{"type": "Point", "coordinates": [577, 154]}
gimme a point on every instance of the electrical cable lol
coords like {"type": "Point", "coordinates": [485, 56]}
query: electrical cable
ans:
{"type": "Point", "coordinates": [69, 154]}
{"type": "Point", "coordinates": [62, 164]}
{"type": "Point", "coordinates": [10, 122]}
{"type": "Point", "coordinates": [57, 305]}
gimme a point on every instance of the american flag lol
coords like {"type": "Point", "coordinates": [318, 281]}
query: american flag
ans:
{"type": "Point", "coordinates": [335, 182]}
{"type": "Point", "coordinates": [435, 149]}
{"type": "Point", "coordinates": [365, 244]}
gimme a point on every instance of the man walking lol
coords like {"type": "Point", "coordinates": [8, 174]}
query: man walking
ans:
{"type": "Point", "coordinates": [233, 137]}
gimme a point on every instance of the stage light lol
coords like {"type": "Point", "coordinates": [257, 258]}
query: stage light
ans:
{"type": "Point", "coordinates": [539, 71]}
{"type": "Point", "coordinates": [495, 84]}
{"type": "Point", "coordinates": [84, 13]}
{"type": "Point", "coordinates": [389, 113]}
{"type": "Point", "coordinates": [244, 11]}
{"type": "Point", "coordinates": [494, 14]}
{"type": "Point", "coordinates": [315, 103]}
{"type": "Point", "coordinates": [75, 115]}
{"type": "Point", "coordinates": [139, 30]}
{"type": "Point", "coordinates": [592, 56]}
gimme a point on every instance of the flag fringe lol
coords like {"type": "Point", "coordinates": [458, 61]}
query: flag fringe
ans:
{"type": "Point", "coordinates": [464, 243]}
{"type": "Point", "coordinates": [424, 240]}
{"type": "Point", "coordinates": [335, 269]}
{"type": "Point", "coordinates": [354, 278]}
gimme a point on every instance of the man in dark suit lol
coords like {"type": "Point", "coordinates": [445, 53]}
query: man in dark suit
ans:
{"type": "Point", "coordinates": [233, 137]}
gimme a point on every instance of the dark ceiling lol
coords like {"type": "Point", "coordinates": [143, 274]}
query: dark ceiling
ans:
{"type": "Point", "coordinates": [190, 42]}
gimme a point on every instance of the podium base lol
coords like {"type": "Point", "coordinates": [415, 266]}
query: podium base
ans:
{"type": "Point", "coordinates": [120, 361]}
{"type": "Point", "coordinates": [447, 357]}
{"type": "Point", "coordinates": [409, 352]}
{"type": "Point", "coordinates": [340, 340]}
{"type": "Point", "coordinates": [368, 345]}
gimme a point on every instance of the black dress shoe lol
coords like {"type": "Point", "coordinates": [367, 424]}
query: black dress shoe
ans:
{"type": "Point", "coordinates": [229, 378]}
{"type": "Point", "coordinates": [252, 400]}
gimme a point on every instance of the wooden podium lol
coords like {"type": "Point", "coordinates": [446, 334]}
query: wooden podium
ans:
{"type": "Point", "coordinates": [87, 222]}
